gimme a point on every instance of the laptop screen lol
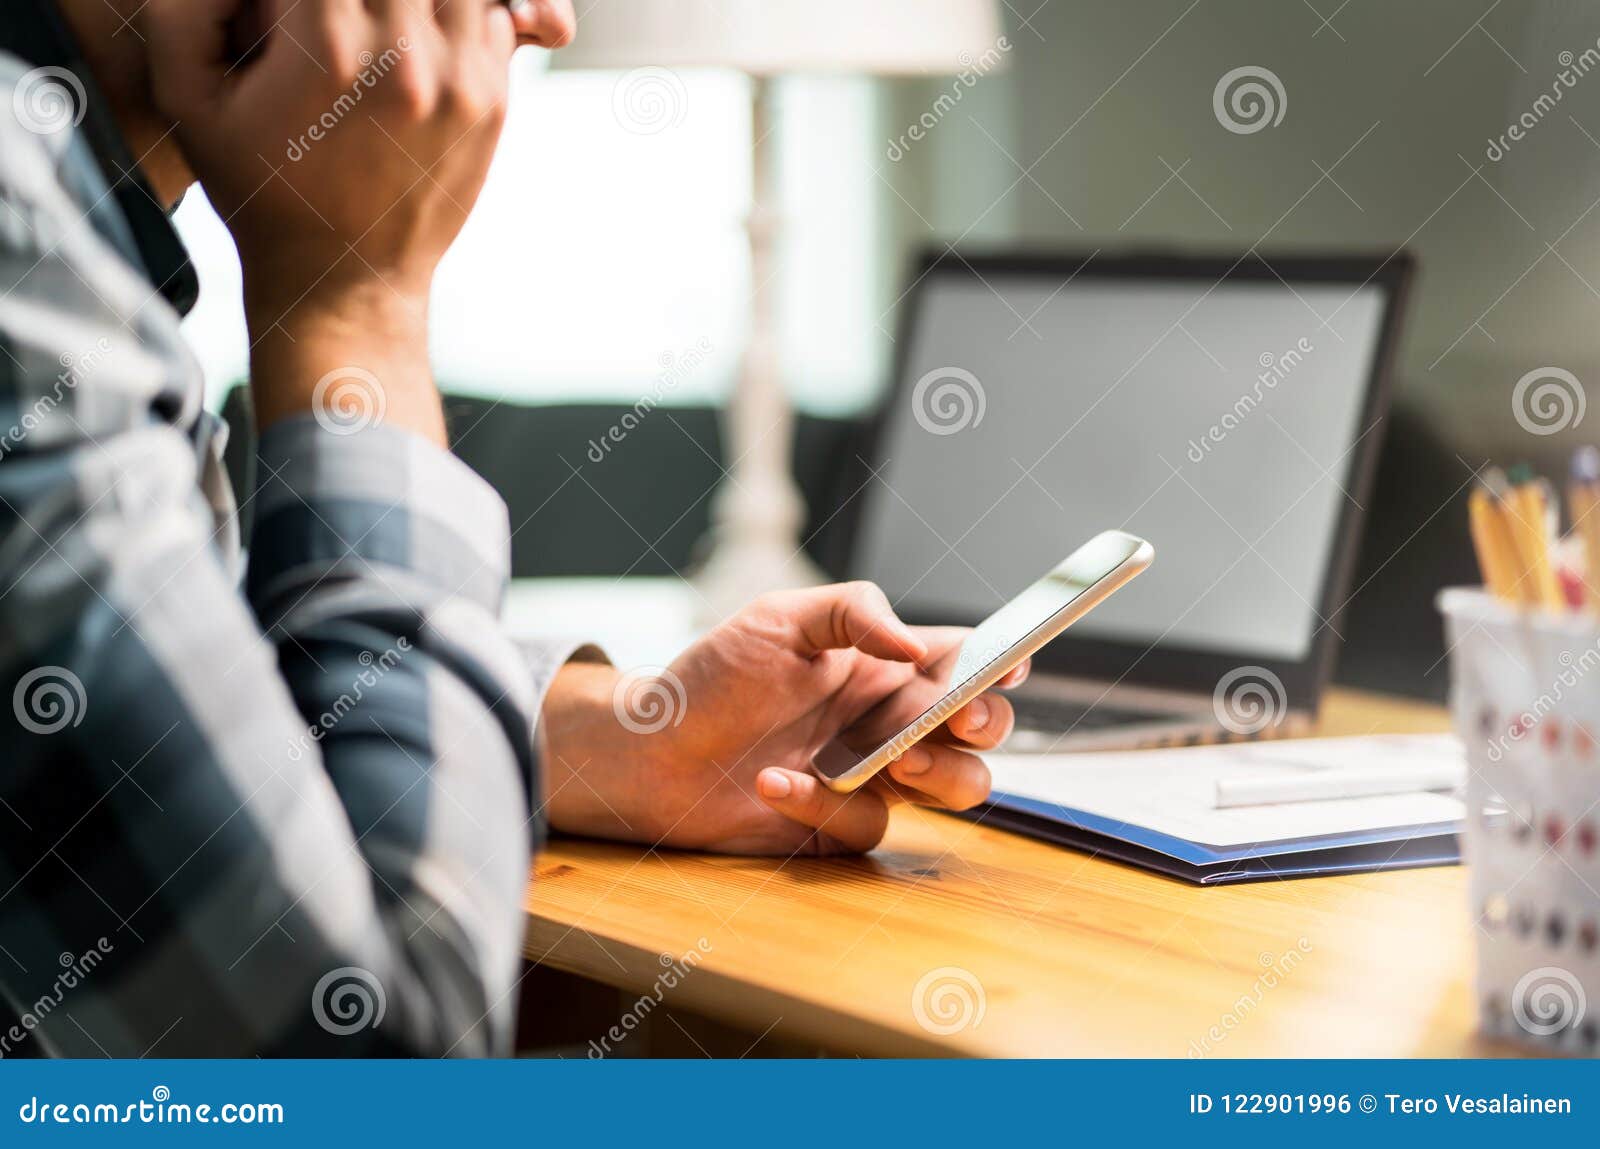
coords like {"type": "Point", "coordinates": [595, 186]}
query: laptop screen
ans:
{"type": "Point", "coordinates": [1218, 418]}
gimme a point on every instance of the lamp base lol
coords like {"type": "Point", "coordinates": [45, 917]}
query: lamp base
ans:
{"type": "Point", "coordinates": [758, 514]}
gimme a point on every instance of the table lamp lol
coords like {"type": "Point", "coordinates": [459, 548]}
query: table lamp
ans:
{"type": "Point", "coordinates": [758, 512]}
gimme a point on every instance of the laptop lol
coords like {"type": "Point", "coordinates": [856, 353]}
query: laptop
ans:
{"type": "Point", "coordinates": [1229, 409]}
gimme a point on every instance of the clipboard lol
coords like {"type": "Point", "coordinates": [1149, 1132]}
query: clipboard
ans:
{"type": "Point", "coordinates": [1152, 808]}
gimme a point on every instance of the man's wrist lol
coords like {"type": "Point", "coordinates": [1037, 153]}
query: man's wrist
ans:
{"type": "Point", "coordinates": [354, 351]}
{"type": "Point", "coordinates": [291, 270]}
{"type": "Point", "coordinates": [596, 771]}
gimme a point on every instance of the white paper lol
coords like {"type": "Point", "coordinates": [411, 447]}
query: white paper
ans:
{"type": "Point", "coordinates": [1174, 792]}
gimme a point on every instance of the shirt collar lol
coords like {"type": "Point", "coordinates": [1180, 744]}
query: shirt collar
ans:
{"type": "Point", "coordinates": [35, 31]}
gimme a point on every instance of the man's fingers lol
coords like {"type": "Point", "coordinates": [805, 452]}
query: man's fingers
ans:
{"type": "Point", "coordinates": [941, 775]}
{"type": "Point", "coordinates": [502, 35]}
{"type": "Point", "coordinates": [983, 723]}
{"type": "Point", "coordinates": [481, 40]}
{"type": "Point", "coordinates": [852, 614]}
{"type": "Point", "coordinates": [845, 823]}
{"type": "Point", "coordinates": [549, 25]}
{"type": "Point", "coordinates": [463, 21]}
{"type": "Point", "coordinates": [1017, 675]}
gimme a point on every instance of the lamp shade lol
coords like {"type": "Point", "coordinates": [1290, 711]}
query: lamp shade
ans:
{"type": "Point", "coordinates": [769, 37]}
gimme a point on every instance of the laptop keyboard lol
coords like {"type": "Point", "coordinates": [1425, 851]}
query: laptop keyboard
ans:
{"type": "Point", "coordinates": [1057, 715]}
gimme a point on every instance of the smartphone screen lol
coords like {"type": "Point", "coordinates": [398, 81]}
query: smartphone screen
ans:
{"type": "Point", "coordinates": [905, 716]}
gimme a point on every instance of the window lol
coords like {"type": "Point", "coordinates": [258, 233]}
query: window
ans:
{"type": "Point", "coordinates": [598, 254]}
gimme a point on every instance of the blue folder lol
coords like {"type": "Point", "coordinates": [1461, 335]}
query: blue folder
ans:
{"type": "Point", "coordinates": [1390, 848]}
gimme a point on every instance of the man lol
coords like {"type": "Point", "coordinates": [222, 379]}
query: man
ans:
{"type": "Point", "coordinates": [296, 817]}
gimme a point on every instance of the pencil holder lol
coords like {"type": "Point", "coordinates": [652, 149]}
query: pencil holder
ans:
{"type": "Point", "coordinates": [1525, 696]}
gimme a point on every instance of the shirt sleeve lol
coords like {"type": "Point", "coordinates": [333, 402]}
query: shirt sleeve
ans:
{"type": "Point", "coordinates": [294, 820]}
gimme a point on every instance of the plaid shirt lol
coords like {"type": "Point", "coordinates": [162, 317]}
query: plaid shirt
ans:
{"type": "Point", "coordinates": [292, 819]}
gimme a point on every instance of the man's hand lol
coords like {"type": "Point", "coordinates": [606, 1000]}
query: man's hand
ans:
{"type": "Point", "coordinates": [351, 126]}
{"type": "Point", "coordinates": [343, 145]}
{"type": "Point", "coordinates": [714, 753]}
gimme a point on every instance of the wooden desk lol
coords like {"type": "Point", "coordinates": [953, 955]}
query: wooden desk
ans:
{"type": "Point", "coordinates": [1075, 956]}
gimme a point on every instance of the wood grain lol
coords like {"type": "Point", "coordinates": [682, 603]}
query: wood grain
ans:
{"type": "Point", "coordinates": [1070, 955]}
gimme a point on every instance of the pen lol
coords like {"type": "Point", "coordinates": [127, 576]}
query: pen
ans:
{"type": "Point", "coordinates": [1583, 501]}
{"type": "Point", "coordinates": [1324, 785]}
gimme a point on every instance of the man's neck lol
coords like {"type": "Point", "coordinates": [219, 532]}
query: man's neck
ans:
{"type": "Point", "coordinates": [116, 54]}
{"type": "Point", "coordinates": [132, 215]}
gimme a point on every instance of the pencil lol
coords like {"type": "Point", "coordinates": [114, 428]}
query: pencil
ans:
{"type": "Point", "coordinates": [1528, 507]}
{"type": "Point", "coordinates": [1491, 538]}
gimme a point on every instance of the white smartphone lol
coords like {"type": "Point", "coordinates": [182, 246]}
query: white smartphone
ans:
{"type": "Point", "coordinates": [1074, 587]}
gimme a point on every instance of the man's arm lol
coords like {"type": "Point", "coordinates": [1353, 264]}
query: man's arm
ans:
{"type": "Point", "coordinates": [299, 825]}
